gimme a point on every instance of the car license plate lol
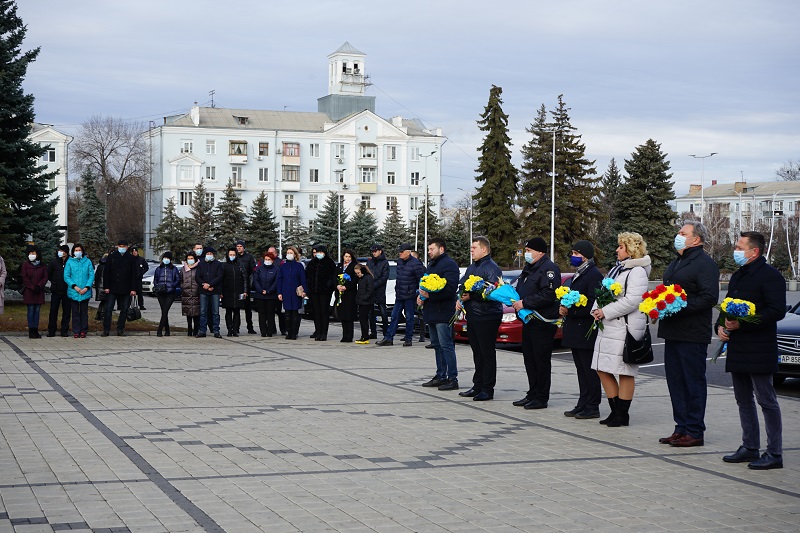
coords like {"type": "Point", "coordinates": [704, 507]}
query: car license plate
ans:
{"type": "Point", "coordinates": [790, 359]}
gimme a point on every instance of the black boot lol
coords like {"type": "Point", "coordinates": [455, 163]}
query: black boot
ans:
{"type": "Point", "coordinates": [620, 417]}
{"type": "Point", "coordinates": [612, 403]}
{"type": "Point", "coordinates": [33, 333]}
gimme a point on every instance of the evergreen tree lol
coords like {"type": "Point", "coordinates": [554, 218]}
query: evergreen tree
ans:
{"type": "Point", "coordinates": [607, 229]}
{"type": "Point", "coordinates": [394, 232]}
{"type": "Point", "coordinates": [434, 226]}
{"type": "Point", "coordinates": [172, 233]}
{"type": "Point", "coordinates": [644, 200]}
{"type": "Point", "coordinates": [495, 197]}
{"type": "Point", "coordinates": [297, 234]}
{"type": "Point", "coordinates": [326, 225]}
{"type": "Point", "coordinates": [361, 231]}
{"type": "Point", "coordinates": [92, 218]}
{"type": "Point", "coordinates": [261, 229]}
{"type": "Point", "coordinates": [456, 236]}
{"type": "Point", "coordinates": [536, 178]}
{"type": "Point", "coordinates": [229, 218]}
{"type": "Point", "coordinates": [201, 220]}
{"type": "Point", "coordinates": [25, 204]}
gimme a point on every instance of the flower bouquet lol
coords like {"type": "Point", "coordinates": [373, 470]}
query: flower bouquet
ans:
{"type": "Point", "coordinates": [431, 283]}
{"type": "Point", "coordinates": [343, 278]}
{"type": "Point", "coordinates": [567, 297]}
{"type": "Point", "coordinates": [475, 285]}
{"type": "Point", "coordinates": [734, 309]}
{"type": "Point", "coordinates": [605, 294]}
{"type": "Point", "coordinates": [507, 295]}
{"type": "Point", "coordinates": [663, 301]}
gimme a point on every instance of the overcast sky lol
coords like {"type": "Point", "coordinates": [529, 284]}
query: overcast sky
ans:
{"type": "Point", "coordinates": [697, 76]}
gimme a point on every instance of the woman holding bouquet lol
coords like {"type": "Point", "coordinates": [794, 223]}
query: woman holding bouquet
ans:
{"type": "Point", "coordinates": [347, 306]}
{"type": "Point", "coordinates": [618, 318]}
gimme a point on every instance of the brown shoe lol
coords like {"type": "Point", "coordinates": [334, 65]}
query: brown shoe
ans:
{"type": "Point", "coordinates": [687, 441]}
{"type": "Point", "coordinates": [668, 440]}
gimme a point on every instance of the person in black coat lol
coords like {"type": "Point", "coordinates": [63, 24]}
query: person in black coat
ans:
{"type": "Point", "coordinates": [248, 262]}
{"type": "Point", "coordinates": [687, 335]}
{"type": "Point", "coordinates": [166, 282]}
{"type": "Point", "coordinates": [347, 306]}
{"type": "Point", "coordinates": [537, 290]}
{"type": "Point", "coordinates": [120, 280]}
{"type": "Point", "coordinates": [142, 268]}
{"type": "Point", "coordinates": [753, 352]}
{"type": "Point", "coordinates": [99, 293]}
{"type": "Point", "coordinates": [308, 303]}
{"type": "Point", "coordinates": [578, 321]}
{"type": "Point", "coordinates": [265, 288]}
{"type": "Point", "coordinates": [379, 267]}
{"type": "Point", "coordinates": [365, 299]}
{"type": "Point", "coordinates": [234, 291]}
{"type": "Point", "coordinates": [58, 293]}
{"type": "Point", "coordinates": [321, 283]}
{"type": "Point", "coordinates": [409, 272]}
{"type": "Point", "coordinates": [209, 276]}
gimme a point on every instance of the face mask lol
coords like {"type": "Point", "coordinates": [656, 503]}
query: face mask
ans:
{"type": "Point", "coordinates": [198, 251]}
{"type": "Point", "coordinates": [739, 258]}
{"type": "Point", "coordinates": [231, 258]}
{"type": "Point", "coordinates": [680, 242]}
{"type": "Point", "coordinates": [32, 257]}
{"type": "Point", "coordinates": [268, 262]}
{"type": "Point", "coordinates": [209, 258]}
{"type": "Point", "coordinates": [78, 255]}
{"type": "Point", "coordinates": [122, 250]}
{"type": "Point", "coordinates": [575, 261]}
{"type": "Point", "coordinates": [528, 257]}
{"type": "Point", "coordinates": [319, 256]}
{"type": "Point", "coordinates": [60, 253]}
{"type": "Point", "coordinates": [166, 261]}
{"type": "Point", "coordinates": [290, 257]}
{"type": "Point", "coordinates": [190, 261]}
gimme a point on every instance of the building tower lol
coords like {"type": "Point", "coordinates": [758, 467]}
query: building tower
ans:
{"type": "Point", "coordinates": [347, 83]}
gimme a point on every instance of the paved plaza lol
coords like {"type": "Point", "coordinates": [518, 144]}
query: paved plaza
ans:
{"type": "Point", "coordinates": [250, 434]}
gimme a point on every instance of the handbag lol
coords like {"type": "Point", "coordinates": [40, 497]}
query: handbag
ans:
{"type": "Point", "coordinates": [637, 352]}
{"type": "Point", "coordinates": [161, 288]}
{"type": "Point", "coordinates": [133, 312]}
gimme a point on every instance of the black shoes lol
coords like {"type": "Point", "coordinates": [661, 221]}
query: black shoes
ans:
{"type": "Point", "coordinates": [384, 342]}
{"type": "Point", "coordinates": [470, 393]}
{"type": "Point", "coordinates": [321, 339]}
{"type": "Point", "coordinates": [51, 334]}
{"type": "Point", "coordinates": [450, 384]}
{"type": "Point", "coordinates": [482, 397]}
{"type": "Point", "coordinates": [535, 404]}
{"type": "Point", "coordinates": [216, 335]}
{"type": "Point", "coordinates": [158, 333]}
{"type": "Point", "coordinates": [429, 346]}
{"type": "Point", "coordinates": [251, 331]}
{"type": "Point", "coordinates": [200, 335]}
{"type": "Point", "coordinates": [521, 401]}
{"type": "Point", "coordinates": [120, 333]}
{"type": "Point", "coordinates": [742, 455]}
{"type": "Point", "coordinates": [373, 336]}
{"type": "Point", "coordinates": [574, 411]}
{"type": "Point", "coordinates": [588, 413]}
{"type": "Point", "coordinates": [104, 334]}
{"type": "Point", "coordinates": [435, 382]}
{"type": "Point", "coordinates": [768, 461]}
{"type": "Point", "coordinates": [406, 343]}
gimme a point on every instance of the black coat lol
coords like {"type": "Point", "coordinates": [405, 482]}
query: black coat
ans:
{"type": "Point", "coordinates": [141, 268]}
{"type": "Point", "coordinates": [211, 273]}
{"type": "Point", "coordinates": [55, 273]}
{"type": "Point", "coordinates": [537, 287]}
{"type": "Point", "coordinates": [380, 270]}
{"type": "Point", "coordinates": [99, 295]}
{"type": "Point", "coordinates": [440, 306]}
{"type": "Point", "coordinates": [366, 289]}
{"type": "Point", "coordinates": [478, 309]}
{"type": "Point", "coordinates": [698, 275]}
{"type": "Point", "coordinates": [322, 278]}
{"type": "Point", "coordinates": [249, 264]}
{"type": "Point", "coordinates": [121, 275]}
{"type": "Point", "coordinates": [579, 319]}
{"type": "Point", "coordinates": [753, 348]}
{"type": "Point", "coordinates": [234, 284]}
{"type": "Point", "coordinates": [347, 308]}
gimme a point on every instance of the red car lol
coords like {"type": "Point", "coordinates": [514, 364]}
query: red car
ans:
{"type": "Point", "coordinates": [510, 330]}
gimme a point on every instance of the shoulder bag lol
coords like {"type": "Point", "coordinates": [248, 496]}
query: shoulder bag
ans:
{"type": "Point", "coordinates": [636, 352]}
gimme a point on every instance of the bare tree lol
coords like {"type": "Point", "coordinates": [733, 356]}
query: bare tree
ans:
{"type": "Point", "coordinates": [117, 153]}
{"type": "Point", "coordinates": [789, 171]}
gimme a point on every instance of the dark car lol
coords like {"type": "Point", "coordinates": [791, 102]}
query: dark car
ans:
{"type": "Point", "coordinates": [789, 346]}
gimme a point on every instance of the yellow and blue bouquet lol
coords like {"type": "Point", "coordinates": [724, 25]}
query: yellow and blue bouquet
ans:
{"type": "Point", "coordinates": [567, 297]}
{"type": "Point", "coordinates": [663, 301]}
{"type": "Point", "coordinates": [431, 283]}
{"type": "Point", "coordinates": [741, 310]}
{"type": "Point", "coordinates": [343, 278]}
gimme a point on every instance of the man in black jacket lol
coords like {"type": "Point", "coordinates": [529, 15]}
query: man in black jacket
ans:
{"type": "Point", "coordinates": [687, 335]}
{"type": "Point", "coordinates": [209, 275]}
{"type": "Point", "coordinates": [141, 267]}
{"type": "Point", "coordinates": [58, 293]}
{"type": "Point", "coordinates": [483, 321]}
{"type": "Point", "coordinates": [437, 309]}
{"type": "Point", "coordinates": [753, 352]}
{"type": "Point", "coordinates": [409, 271]}
{"type": "Point", "coordinates": [537, 290]}
{"type": "Point", "coordinates": [248, 263]}
{"type": "Point", "coordinates": [379, 267]}
{"type": "Point", "coordinates": [120, 279]}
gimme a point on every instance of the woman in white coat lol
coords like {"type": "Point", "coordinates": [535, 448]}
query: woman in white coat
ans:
{"type": "Point", "coordinates": [623, 315]}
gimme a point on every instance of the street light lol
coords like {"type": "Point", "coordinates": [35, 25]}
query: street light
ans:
{"type": "Point", "coordinates": [339, 201]}
{"type": "Point", "coordinates": [702, 182]}
{"type": "Point", "coordinates": [471, 202]}
{"type": "Point", "coordinates": [553, 194]}
{"type": "Point", "coordinates": [425, 235]}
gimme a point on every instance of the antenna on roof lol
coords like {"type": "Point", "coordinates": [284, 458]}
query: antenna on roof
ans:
{"type": "Point", "coordinates": [211, 94]}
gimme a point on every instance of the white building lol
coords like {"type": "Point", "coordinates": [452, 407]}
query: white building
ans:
{"type": "Point", "coordinates": [298, 157]}
{"type": "Point", "coordinates": [56, 159]}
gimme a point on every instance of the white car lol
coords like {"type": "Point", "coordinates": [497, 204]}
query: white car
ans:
{"type": "Point", "coordinates": [147, 280]}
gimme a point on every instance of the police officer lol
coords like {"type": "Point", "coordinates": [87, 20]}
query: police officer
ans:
{"type": "Point", "coordinates": [537, 290]}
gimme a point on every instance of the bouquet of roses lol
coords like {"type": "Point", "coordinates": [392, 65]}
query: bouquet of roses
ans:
{"type": "Point", "coordinates": [507, 295]}
{"type": "Point", "coordinates": [567, 297]}
{"type": "Point", "coordinates": [663, 301]}
{"type": "Point", "coordinates": [343, 278]}
{"type": "Point", "coordinates": [734, 309]}
{"type": "Point", "coordinates": [431, 283]}
{"type": "Point", "coordinates": [605, 294]}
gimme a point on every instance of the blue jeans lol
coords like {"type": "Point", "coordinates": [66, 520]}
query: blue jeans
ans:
{"type": "Point", "coordinates": [685, 368]}
{"type": "Point", "coordinates": [402, 305]}
{"type": "Point", "coordinates": [744, 386]}
{"type": "Point", "coordinates": [206, 301]}
{"type": "Point", "coordinates": [33, 315]}
{"type": "Point", "coordinates": [442, 341]}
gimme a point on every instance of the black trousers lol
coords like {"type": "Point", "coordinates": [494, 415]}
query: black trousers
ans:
{"type": "Point", "coordinates": [482, 335]}
{"type": "Point", "coordinates": [193, 324]}
{"type": "Point", "coordinates": [292, 323]}
{"type": "Point", "coordinates": [248, 314]}
{"type": "Point", "coordinates": [537, 349]}
{"type": "Point", "coordinates": [80, 316]}
{"type": "Point", "coordinates": [364, 319]}
{"type": "Point", "coordinates": [588, 380]}
{"type": "Point", "coordinates": [348, 329]}
{"type": "Point", "coordinates": [56, 301]}
{"type": "Point", "coordinates": [233, 319]}
{"type": "Point", "coordinates": [378, 309]}
{"type": "Point", "coordinates": [111, 299]}
{"type": "Point", "coordinates": [164, 302]}
{"type": "Point", "coordinates": [266, 316]}
{"type": "Point", "coordinates": [321, 308]}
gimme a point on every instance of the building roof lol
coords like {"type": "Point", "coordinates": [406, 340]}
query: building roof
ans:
{"type": "Point", "coordinates": [348, 48]}
{"type": "Point", "coordinates": [220, 117]}
{"type": "Point", "coordinates": [724, 190]}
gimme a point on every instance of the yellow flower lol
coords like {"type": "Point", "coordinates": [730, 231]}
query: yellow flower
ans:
{"type": "Point", "coordinates": [561, 291]}
{"type": "Point", "coordinates": [616, 289]}
{"type": "Point", "coordinates": [582, 301]}
{"type": "Point", "coordinates": [432, 282]}
{"type": "Point", "coordinates": [471, 281]}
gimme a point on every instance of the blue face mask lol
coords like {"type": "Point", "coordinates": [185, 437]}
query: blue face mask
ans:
{"type": "Point", "coordinates": [528, 257]}
{"type": "Point", "coordinates": [231, 258]}
{"type": "Point", "coordinates": [739, 258]}
{"type": "Point", "coordinates": [78, 255]}
{"type": "Point", "coordinates": [680, 242]}
{"type": "Point", "coordinates": [575, 261]}
{"type": "Point", "coordinates": [209, 258]}
{"type": "Point", "coordinates": [122, 250]}
{"type": "Point", "coordinates": [319, 256]}
{"type": "Point", "coordinates": [166, 261]}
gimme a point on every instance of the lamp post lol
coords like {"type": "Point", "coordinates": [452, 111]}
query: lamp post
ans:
{"type": "Point", "coordinates": [702, 181]}
{"type": "Point", "coordinates": [471, 201]}
{"type": "Point", "coordinates": [339, 200]}
{"type": "Point", "coordinates": [425, 235]}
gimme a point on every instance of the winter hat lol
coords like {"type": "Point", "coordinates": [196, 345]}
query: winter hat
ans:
{"type": "Point", "coordinates": [167, 255]}
{"type": "Point", "coordinates": [585, 248]}
{"type": "Point", "coordinates": [404, 247]}
{"type": "Point", "coordinates": [322, 249]}
{"type": "Point", "coordinates": [64, 248]}
{"type": "Point", "coordinates": [375, 247]}
{"type": "Point", "coordinates": [239, 242]}
{"type": "Point", "coordinates": [122, 242]}
{"type": "Point", "coordinates": [538, 244]}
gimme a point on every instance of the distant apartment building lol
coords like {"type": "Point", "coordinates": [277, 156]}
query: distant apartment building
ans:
{"type": "Point", "coordinates": [56, 159]}
{"type": "Point", "coordinates": [297, 158]}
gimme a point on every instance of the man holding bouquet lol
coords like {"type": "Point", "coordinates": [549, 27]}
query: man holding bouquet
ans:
{"type": "Point", "coordinates": [753, 351]}
{"type": "Point", "coordinates": [437, 308]}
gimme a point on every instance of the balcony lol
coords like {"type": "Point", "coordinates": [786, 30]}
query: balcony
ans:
{"type": "Point", "coordinates": [239, 183]}
{"type": "Point", "coordinates": [290, 160]}
{"type": "Point", "coordinates": [292, 186]}
{"type": "Point", "coordinates": [237, 159]}
{"type": "Point", "coordinates": [368, 188]}
{"type": "Point", "coordinates": [290, 212]}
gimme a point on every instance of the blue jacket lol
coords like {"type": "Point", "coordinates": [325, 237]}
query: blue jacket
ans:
{"type": "Point", "coordinates": [168, 275]}
{"type": "Point", "coordinates": [408, 274]}
{"type": "Point", "coordinates": [291, 275]}
{"type": "Point", "coordinates": [265, 278]}
{"type": "Point", "coordinates": [80, 273]}
{"type": "Point", "coordinates": [211, 273]}
{"type": "Point", "coordinates": [440, 306]}
{"type": "Point", "coordinates": [478, 309]}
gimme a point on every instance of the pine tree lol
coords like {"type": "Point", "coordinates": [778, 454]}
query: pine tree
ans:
{"type": "Point", "coordinates": [394, 232]}
{"type": "Point", "coordinates": [201, 221]}
{"type": "Point", "coordinates": [434, 225]}
{"type": "Point", "coordinates": [644, 202]}
{"type": "Point", "coordinates": [229, 218]}
{"type": "Point", "coordinates": [607, 230]}
{"type": "Point", "coordinates": [261, 229]}
{"type": "Point", "coordinates": [172, 233]}
{"type": "Point", "coordinates": [456, 236]}
{"type": "Point", "coordinates": [25, 203]}
{"type": "Point", "coordinates": [326, 225]}
{"type": "Point", "coordinates": [91, 218]}
{"type": "Point", "coordinates": [297, 234]}
{"type": "Point", "coordinates": [536, 178]}
{"type": "Point", "coordinates": [361, 231]}
{"type": "Point", "coordinates": [496, 196]}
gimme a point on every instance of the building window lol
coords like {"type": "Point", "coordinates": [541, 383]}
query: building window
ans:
{"type": "Point", "coordinates": [366, 202]}
{"type": "Point", "coordinates": [291, 173]}
{"type": "Point", "coordinates": [210, 200]}
{"type": "Point", "coordinates": [263, 174]}
{"type": "Point", "coordinates": [391, 153]}
{"type": "Point", "coordinates": [186, 146]}
{"type": "Point", "coordinates": [339, 150]}
{"type": "Point", "coordinates": [391, 202]}
{"type": "Point", "coordinates": [51, 184]}
{"type": "Point", "coordinates": [415, 178]}
{"type": "Point", "coordinates": [49, 155]}
{"type": "Point", "coordinates": [236, 176]}
{"type": "Point", "coordinates": [339, 176]}
{"type": "Point", "coordinates": [367, 174]}
{"type": "Point", "coordinates": [242, 121]}
{"type": "Point", "coordinates": [291, 149]}
{"type": "Point", "coordinates": [313, 175]}
{"type": "Point", "coordinates": [390, 178]}
{"type": "Point", "coordinates": [263, 149]}
{"type": "Point", "coordinates": [185, 173]}
{"type": "Point", "coordinates": [288, 200]}
{"type": "Point", "coordinates": [368, 151]}
{"type": "Point", "coordinates": [313, 201]}
{"type": "Point", "coordinates": [313, 149]}
{"type": "Point", "coordinates": [237, 148]}
{"type": "Point", "coordinates": [211, 173]}
{"type": "Point", "coordinates": [414, 153]}
{"type": "Point", "coordinates": [413, 203]}
{"type": "Point", "coordinates": [186, 198]}
{"type": "Point", "coordinates": [211, 147]}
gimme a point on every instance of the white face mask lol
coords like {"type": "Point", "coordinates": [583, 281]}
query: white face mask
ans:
{"type": "Point", "coordinates": [290, 257]}
{"type": "Point", "coordinates": [166, 261]}
{"type": "Point", "coordinates": [231, 258]}
{"type": "Point", "coordinates": [209, 258]}
{"type": "Point", "coordinates": [190, 261]}
{"type": "Point", "coordinates": [198, 251]}
{"type": "Point", "coordinates": [268, 262]}
{"type": "Point", "coordinates": [61, 253]}
{"type": "Point", "coordinates": [31, 257]}
{"type": "Point", "coordinates": [78, 254]}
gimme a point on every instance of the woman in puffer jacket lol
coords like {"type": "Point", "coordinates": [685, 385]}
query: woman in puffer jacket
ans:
{"type": "Point", "coordinates": [623, 315]}
{"type": "Point", "coordinates": [167, 284]}
{"type": "Point", "coordinates": [79, 277]}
